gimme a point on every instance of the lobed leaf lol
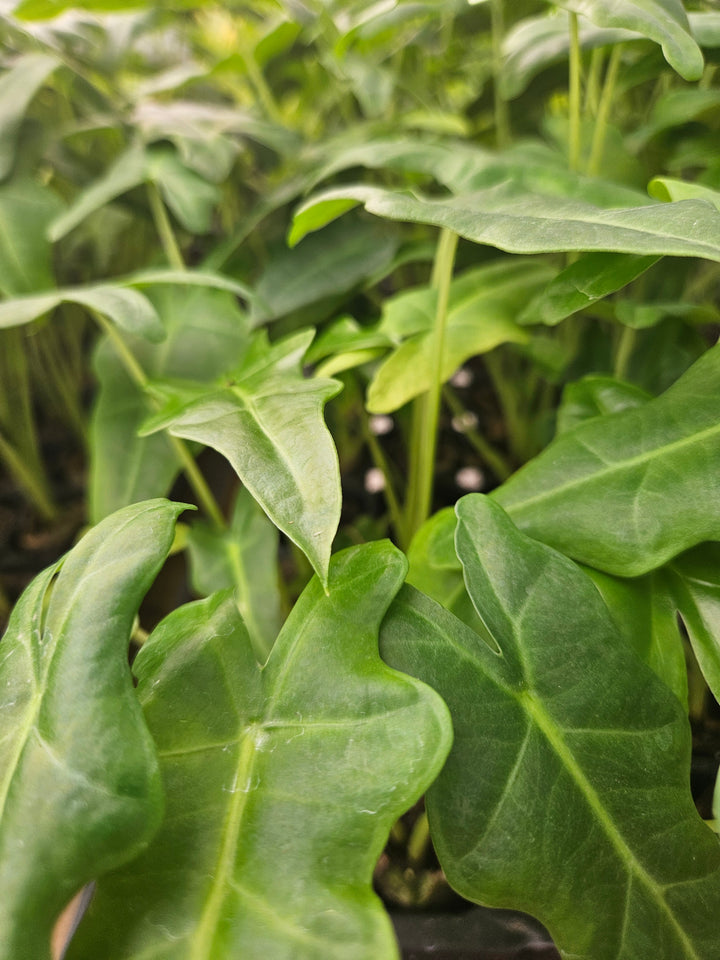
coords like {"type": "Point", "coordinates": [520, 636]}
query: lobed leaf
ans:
{"type": "Point", "coordinates": [282, 782]}
{"type": "Point", "coordinates": [79, 789]}
{"type": "Point", "coordinates": [571, 750]}
{"type": "Point", "coordinates": [626, 492]}
{"type": "Point", "coordinates": [267, 420]}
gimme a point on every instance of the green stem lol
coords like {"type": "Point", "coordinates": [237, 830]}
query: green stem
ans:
{"type": "Point", "coordinates": [27, 479]}
{"type": "Point", "coordinates": [424, 440]}
{"type": "Point", "coordinates": [502, 114]}
{"type": "Point", "coordinates": [259, 83]}
{"type": "Point", "coordinates": [492, 457]}
{"type": "Point", "coordinates": [574, 94]}
{"type": "Point", "coordinates": [419, 840]}
{"type": "Point", "coordinates": [192, 471]}
{"type": "Point", "coordinates": [592, 84]}
{"type": "Point", "coordinates": [624, 351]}
{"type": "Point", "coordinates": [506, 390]}
{"type": "Point", "coordinates": [380, 461]}
{"type": "Point", "coordinates": [606, 99]}
{"type": "Point", "coordinates": [164, 228]}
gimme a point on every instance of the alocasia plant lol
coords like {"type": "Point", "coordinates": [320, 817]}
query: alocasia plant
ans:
{"type": "Point", "coordinates": [356, 191]}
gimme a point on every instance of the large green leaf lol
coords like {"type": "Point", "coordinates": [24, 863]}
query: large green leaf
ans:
{"type": "Point", "coordinates": [26, 209]}
{"type": "Point", "coordinates": [567, 790]}
{"type": "Point", "coordinates": [80, 788]}
{"type": "Point", "coordinates": [267, 420]}
{"type": "Point", "coordinates": [129, 309]}
{"type": "Point", "coordinates": [18, 86]}
{"type": "Point", "coordinates": [664, 21]}
{"type": "Point", "coordinates": [282, 782]}
{"type": "Point", "coordinates": [509, 216]}
{"type": "Point", "coordinates": [482, 308]}
{"type": "Point", "coordinates": [596, 396]}
{"type": "Point", "coordinates": [328, 264]}
{"type": "Point", "coordinates": [626, 492]}
{"type": "Point", "coordinates": [245, 557]}
{"type": "Point", "coordinates": [206, 333]}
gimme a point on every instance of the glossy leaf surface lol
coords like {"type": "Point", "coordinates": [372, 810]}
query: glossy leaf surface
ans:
{"type": "Point", "coordinates": [664, 21]}
{"type": "Point", "coordinates": [80, 787]}
{"type": "Point", "coordinates": [267, 420]}
{"type": "Point", "coordinates": [282, 783]}
{"type": "Point", "coordinates": [206, 333]}
{"type": "Point", "coordinates": [514, 219]}
{"type": "Point", "coordinates": [243, 557]}
{"type": "Point", "coordinates": [624, 493]}
{"type": "Point", "coordinates": [572, 752]}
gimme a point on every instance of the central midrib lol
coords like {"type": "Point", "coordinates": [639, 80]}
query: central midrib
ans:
{"type": "Point", "coordinates": [538, 715]}
{"type": "Point", "coordinates": [202, 942]}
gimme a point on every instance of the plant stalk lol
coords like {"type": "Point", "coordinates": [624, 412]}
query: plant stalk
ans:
{"type": "Point", "coordinates": [574, 94]}
{"type": "Point", "coordinates": [192, 471]}
{"type": "Point", "coordinates": [502, 113]}
{"type": "Point", "coordinates": [426, 414]}
{"type": "Point", "coordinates": [164, 228]}
{"type": "Point", "coordinates": [601, 121]}
{"type": "Point", "coordinates": [27, 479]}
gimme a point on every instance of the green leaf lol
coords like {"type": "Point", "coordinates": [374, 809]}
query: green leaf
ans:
{"type": "Point", "coordinates": [645, 614]}
{"type": "Point", "coordinates": [127, 172]}
{"type": "Point", "coordinates": [187, 278]}
{"type": "Point", "coordinates": [206, 333]}
{"type": "Point", "coordinates": [583, 283]}
{"type": "Point", "coordinates": [282, 783]}
{"type": "Point", "coordinates": [266, 419]}
{"type": "Point", "coordinates": [664, 21]}
{"type": "Point", "coordinates": [330, 263]}
{"type": "Point", "coordinates": [536, 43]}
{"type": "Point", "coordinates": [26, 209]}
{"type": "Point", "coordinates": [695, 584]}
{"type": "Point", "coordinates": [244, 556]}
{"type": "Point", "coordinates": [597, 396]}
{"type": "Point", "coordinates": [706, 28]}
{"type": "Point", "coordinates": [482, 308]}
{"type": "Point", "coordinates": [675, 109]}
{"type": "Point", "coordinates": [571, 750]}
{"type": "Point", "coordinates": [80, 788]}
{"type": "Point", "coordinates": [518, 220]}
{"type": "Point", "coordinates": [191, 198]}
{"type": "Point", "coordinates": [668, 188]}
{"type": "Point", "coordinates": [18, 86]}
{"type": "Point", "coordinates": [626, 492]}
{"type": "Point", "coordinates": [129, 309]}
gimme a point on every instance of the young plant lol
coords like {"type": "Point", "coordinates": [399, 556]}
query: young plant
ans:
{"type": "Point", "coordinates": [540, 207]}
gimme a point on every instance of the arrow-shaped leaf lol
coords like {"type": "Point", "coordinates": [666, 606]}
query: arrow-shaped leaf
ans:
{"type": "Point", "coordinates": [626, 492]}
{"type": "Point", "coordinates": [567, 790]}
{"type": "Point", "coordinates": [282, 782]}
{"type": "Point", "coordinates": [79, 782]}
{"type": "Point", "coordinates": [266, 419]}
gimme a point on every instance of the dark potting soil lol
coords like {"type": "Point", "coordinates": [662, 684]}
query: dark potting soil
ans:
{"type": "Point", "coordinates": [475, 934]}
